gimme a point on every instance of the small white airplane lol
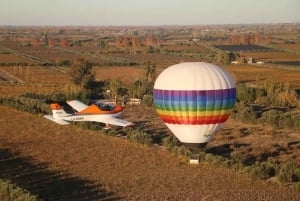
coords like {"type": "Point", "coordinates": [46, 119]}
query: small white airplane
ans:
{"type": "Point", "coordinates": [98, 112]}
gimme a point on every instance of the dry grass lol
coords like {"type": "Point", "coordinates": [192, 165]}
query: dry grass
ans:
{"type": "Point", "coordinates": [244, 73]}
{"type": "Point", "coordinates": [131, 171]}
{"type": "Point", "coordinates": [289, 46]}
{"type": "Point", "coordinates": [126, 74]}
{"type": "Point", "coordinates": [36, 79]}
{"type": "Point", "coordinates": [272, 56]}
{"type": "Point", "coordinates": [10, 58]}
{"type": "Point", "coordinates": [37, 74]}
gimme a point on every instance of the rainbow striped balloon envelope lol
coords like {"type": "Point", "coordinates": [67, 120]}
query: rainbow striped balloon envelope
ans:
{"type": "Point", "coordinates": [194, 99]}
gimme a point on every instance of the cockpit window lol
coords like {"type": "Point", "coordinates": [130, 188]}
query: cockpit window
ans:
{"type": "Point", "coordinates": [105, 106]}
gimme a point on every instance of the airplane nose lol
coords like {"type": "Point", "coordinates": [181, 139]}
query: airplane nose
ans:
{"type": "Point", "coordinates": [120, 108]}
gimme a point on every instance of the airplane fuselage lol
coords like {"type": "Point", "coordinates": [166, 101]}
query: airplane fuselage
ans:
{"type": "Point", "coordinates": [88, 117]}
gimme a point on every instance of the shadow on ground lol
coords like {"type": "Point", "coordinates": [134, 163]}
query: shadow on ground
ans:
{"type": "Point", "coordinates": [49, 185]}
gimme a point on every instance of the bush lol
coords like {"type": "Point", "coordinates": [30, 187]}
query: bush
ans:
{"type": "Point", "coordinates": [86, 125]}
{"type": "Point", "coordinates": [170, 142]}
{"type": "Point", "coordinates": [173, 145]}
{"type": "Point", "coordinates": [137, 135]}
{"type": "Point", "coordinates": [237, 157]}
{"type": "Point", "coordinates": [181, 151]}
{"type": "Point", "coordinates": [148, 100]}
{"type": "Point", "coordinates": [289, 172]}
{"type": "Point", "coordinates": [262, 170]}
{"type": "Point", "coordinates": [11, 192]}
{"type": "Point", "coordinates": [28, 102]}
{"type": "Point", "coordinates": [297, 186]}
{"type": "Point", "coordinates": [110, 132]}
{"type": "Point", "coordinates": [245, 94]}
{"type": "Point", "coordinates": [297, 174]}
{"type": "Point", "coordinates": [271, 117]}
{"type": "Point", "coordinates": [243, 112]}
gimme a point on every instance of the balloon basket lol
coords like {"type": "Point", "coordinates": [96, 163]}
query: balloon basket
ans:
{"type": "Point", "coordinates": [194, 160]}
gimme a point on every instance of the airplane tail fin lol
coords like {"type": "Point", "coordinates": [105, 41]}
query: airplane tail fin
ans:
{"type": "Point", "coordinates": [58, 112]}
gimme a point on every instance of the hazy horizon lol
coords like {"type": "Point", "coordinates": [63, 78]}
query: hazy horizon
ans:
{"type": "Point", "coordinates": [146, 13]}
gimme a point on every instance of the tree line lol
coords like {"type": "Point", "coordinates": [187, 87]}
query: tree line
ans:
{"type": "Point", "coordinates": [83, 80]}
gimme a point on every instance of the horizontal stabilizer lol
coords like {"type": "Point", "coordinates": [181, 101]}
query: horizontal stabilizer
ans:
{"type": "Point", "coordinates": [58, 121]}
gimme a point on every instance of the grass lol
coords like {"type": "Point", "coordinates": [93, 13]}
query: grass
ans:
{"type": "Point", "coordinates": [252, 73]}
{"type": "Point", "coordinates": [11, 192]}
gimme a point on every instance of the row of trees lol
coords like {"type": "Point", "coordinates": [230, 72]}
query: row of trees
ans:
{"type": "Point", "coordinates": [249, 39]}
{"type": "Point", "coordinates": [83, 79]}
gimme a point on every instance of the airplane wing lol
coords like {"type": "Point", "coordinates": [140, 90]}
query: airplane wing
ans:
{"type": "Point", "coordinates": [114, 121]}
{"type": "Point", "coordinates": [59, 121]}
{"type": "Point", "coordinates": [77, 105]}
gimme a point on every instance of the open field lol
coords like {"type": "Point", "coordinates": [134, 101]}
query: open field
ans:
{"type": "Point", "coordinates": [31, 79]}
{"type": "Point", "coordinates": [251, 73]}
{"type": "Point", "coordinates": [97, 167]}
{"type": "Point", "coordinates": [289, 46]}
{"type": "Point", "coordinates": [10, 58]}
{"type": "Point", "coordinates": [273, 56]}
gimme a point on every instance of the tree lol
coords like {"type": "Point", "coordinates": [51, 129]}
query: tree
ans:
{"type": "Point", "coordinates": [81, 73]}
{"type": "Point", "coordinates": [114, 86]}
{"type": "Point", "coordinates": [64, 42]}
{"type": "Point", "coordinates": [225, 57]}
{"type": "Point", "coordinates": [51, 42]}
{"type": "Point", "coordinates": [36, 42]}
{"type": "Point", "coordinates": [149, 78]}
{"type": "Point", "coordinates": [101, 44]}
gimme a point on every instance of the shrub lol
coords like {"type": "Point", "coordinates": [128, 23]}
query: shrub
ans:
{"type": "Point", "coordinates": [173, 145]}
{"type": "Point", "coordinates": [110, 132]}
{"type": "Point", "coordinates": [245, 94]}
{"type": "Point", "coordinates": [297, 186]}
{"type": "Point", "coordinates": [262, 170]}
{"type": "Point", "coordinates": [237, 157]}
{"type": "Point", "coordinates": [218, 161]}
{"type": "Point", "coordinates": [170, 142]}
{"type": "Point", "coordinates": [271, 117]}
{"type": "Point", "coordinates": [148, 100]}
{"type": "Point", "coordinates": [289, 172]}
{"type": "Point", "coordinates": [297, 174]}
{"type": "Point", "coordinates": [88, 125]}
{"type": "Point", "coordinates": [181, 151]}
{"type": "Point", "coordinates": [137, 135]}
{"type": "Point", "coordinates": [11, 192]}
{"type": "Point", "coordinates": [243, 112]}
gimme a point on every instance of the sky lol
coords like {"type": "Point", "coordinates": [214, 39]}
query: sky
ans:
{"type": "Point", "coordinates": [146, 12]}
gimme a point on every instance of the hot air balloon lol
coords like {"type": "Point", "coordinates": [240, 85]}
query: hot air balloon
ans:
{"type": "Point", "coordinates": [194, 99]}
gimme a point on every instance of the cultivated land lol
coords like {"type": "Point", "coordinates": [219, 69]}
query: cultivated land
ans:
{"type": "Point", "coordinates": [68, 163]}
